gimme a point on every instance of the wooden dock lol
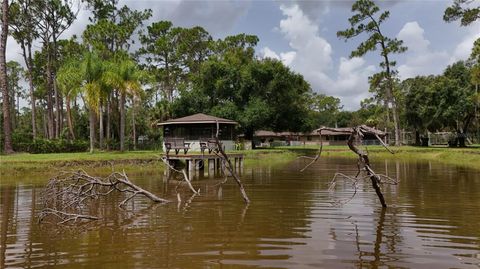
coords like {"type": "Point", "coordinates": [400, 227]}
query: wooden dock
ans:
{"type": "Point", "coordinates": [196, 162]}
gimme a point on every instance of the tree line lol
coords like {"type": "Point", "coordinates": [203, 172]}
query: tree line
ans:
{"type": "Point", "coordinates": [110, 85]}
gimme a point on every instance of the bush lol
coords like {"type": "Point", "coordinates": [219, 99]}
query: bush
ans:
{"type": "Point", "coordinates": [51, 146]}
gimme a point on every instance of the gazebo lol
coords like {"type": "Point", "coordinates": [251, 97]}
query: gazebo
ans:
{"type": "Point", "coordinates": [199, 126]}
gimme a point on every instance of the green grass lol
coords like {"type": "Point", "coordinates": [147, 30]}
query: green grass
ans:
{"type": "Point", "coordinates": [83, 156]}
{"type": "Point", "coordinates": [466, 157]}
{"type": "Point", "coordinates": [133, 160]}
{"type": "Point", "coordinates": [24, 163]}
{"type": "Point", "coordinates": [44, 163]}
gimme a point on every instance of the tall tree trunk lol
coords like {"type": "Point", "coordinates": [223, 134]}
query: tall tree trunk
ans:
{"type": "Point", "coordinates": [7, 128]}
{"type": "Point", "coordinates": [17, 114]}
{"type": "Point", "coordinates": [58, 94]}
{"type": "Point", "coordinates": [122, 121]}
{"type": "Point", "coordinates": [100, 117]}
{"type": "Point", "coordinates": [390, 90]}
{"type": "Point", "coordinates": [57, 108]}
{"type": "Point", "coordinates": [34, 110]}
{"type": "Point", "coordinates": [45, 124]}
{"type": "Point", "coordinates": [12, 111]}
{"type": "Point", "coordinates": [69, 118]}
{"type": "Point", "coordinates": [28, 62]}
{"type": "Point", "coordinates": [133, 126]}
{"type": "Point", "coordinates": [50, 117]}
{"type": "Point", "coordinates": [61, 117]}
{"type": "Point", "coordinates": [108, 121]}
{"type": "Point", "coordinates": [396, 123]}
{"type": "Point", "coordinates": [92, 129]}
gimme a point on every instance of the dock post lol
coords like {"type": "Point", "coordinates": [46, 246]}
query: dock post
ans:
{"type": "Point", "coordinates": [197, 164]}
{"type": "Point", "coordinates": [166, 174]}
{"type": "Point", "coordinates": [211, 167]}
{"type": "Point", "coordinates": [191, 166]}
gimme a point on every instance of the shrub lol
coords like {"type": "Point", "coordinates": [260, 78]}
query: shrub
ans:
{"type": "Point", "coordinates": [52, 146]}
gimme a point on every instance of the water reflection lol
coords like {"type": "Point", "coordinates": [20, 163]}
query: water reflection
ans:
{"type": "Point", "coordinates": [432, 223]}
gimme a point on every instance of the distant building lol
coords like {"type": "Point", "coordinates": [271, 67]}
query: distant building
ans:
{"type": "Point", "coordinates": [265, 138]}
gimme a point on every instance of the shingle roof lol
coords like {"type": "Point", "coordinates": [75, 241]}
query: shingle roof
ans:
{"type": "Point", "coordinates": [197, 118]}
{"type": "Point", "coordinates": [340, 131]}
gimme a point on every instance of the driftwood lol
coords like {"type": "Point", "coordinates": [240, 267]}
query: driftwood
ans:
{"type": "Point", "coordinates": [68, 196]}
{"type": "Point", "coordinates": [363, 164]}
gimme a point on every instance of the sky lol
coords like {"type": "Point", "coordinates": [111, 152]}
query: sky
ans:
{"type": "Point", "coordinates": [302, 34]}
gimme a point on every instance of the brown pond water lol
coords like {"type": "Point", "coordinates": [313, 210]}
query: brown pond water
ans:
{"type": "Point", "coordinates": [433, 222]}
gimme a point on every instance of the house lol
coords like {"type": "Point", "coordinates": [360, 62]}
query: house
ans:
{"type": "Point", "coordinates": [265, 138]}
{"type": "Point", "coordinates": [200, 126]}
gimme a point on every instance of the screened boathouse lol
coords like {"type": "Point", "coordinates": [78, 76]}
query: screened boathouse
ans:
{"type": "Point", "coordinates": [197, 127]}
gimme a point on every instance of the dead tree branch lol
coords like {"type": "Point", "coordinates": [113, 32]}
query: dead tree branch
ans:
{"type": "Point", "coordinates": [363, 164]}
{"type": "Point", "coordinates": [68, 197]}
{"type": "Point", "coordinates": [227, 164]}
{"type": "Point", "coordinates": [183, 172]}
{"type": "Point", "coordinates": [319, 152]}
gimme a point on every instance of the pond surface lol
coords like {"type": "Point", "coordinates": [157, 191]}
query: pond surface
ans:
{"type": "Point", "coordinates": [433, 221]}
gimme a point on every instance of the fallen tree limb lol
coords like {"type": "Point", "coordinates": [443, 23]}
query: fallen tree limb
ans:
{"type": "Point", "coordinates": [68, 197]}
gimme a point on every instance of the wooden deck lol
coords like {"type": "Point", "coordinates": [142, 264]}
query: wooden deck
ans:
{"type": "Point", "coordinates": [196, 162]}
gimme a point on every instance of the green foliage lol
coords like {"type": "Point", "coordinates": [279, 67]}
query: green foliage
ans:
{"type": "Point", "coordinates": [23, 27]}
{"type": "Point", "coordinates": [446, 101]}
{"type": "Point", "coordinates": [69, 78]}
{"type": "Point", "coordinates": [113, 28]}
{"type": "Point", "coordinates": [50, 146]}
{"type": "Point", "coordinates": [372, 113]}
{"type": "Point", "coordinates": [422, 106]}
{"type": "Point", "coordinates": [324, 110]}
{"type": "Point", "coordinates": [258, 94]}
{"type": "Point", "coordinates": [173, 54]}
{"type": "Point", "coordinates": [457, 97]}
{"type": "Point", "coordinates": [365, 21]}
{"type": "Point", "coordinates": [462, 10]}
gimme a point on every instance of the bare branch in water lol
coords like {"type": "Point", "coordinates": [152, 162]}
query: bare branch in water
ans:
{"type": "Point", "coordinates": [183, 172]}
{"type": "Point", "coordinates": [227, 164]}
{"type": "Point", "coordinates": [68, 196]}
{"type": "Point", "coordinates": [363, 164]}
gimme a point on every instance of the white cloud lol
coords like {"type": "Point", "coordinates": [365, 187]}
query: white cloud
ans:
{"type": "Point", "coordinates": [303, 37]}
{"type": "Point", "coordinates": [463, 50]}
{"type": "Point", "coordinates": [285, 57]}
{"type": "Point", "coordinates": [268, 53]}
{"type": "Point", "coordinates": [412, 35]}
{"type": "Point", "coordinates": [311, 56]}
{"type": "Point", "coordinates": [420, 58]}
{"type": "Point", "coordinates": [288, 57]}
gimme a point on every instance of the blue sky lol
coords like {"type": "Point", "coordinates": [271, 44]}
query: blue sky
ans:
{"type": "Point", "coordinates": [303, 35]}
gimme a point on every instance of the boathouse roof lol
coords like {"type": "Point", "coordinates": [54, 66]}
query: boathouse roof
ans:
{"type": "Point", "coordinates": [197, 118]}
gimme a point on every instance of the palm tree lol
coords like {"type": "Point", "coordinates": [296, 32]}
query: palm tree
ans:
{"type": "Point", "coordinates": [92, 69]}
{"type": "Point", "coordinates": [124, 76]}
{"type": "Point", "coordinates": [70, 80]}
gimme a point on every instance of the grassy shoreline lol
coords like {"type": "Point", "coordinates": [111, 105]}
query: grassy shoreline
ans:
{"type": "Point", "coordinates": [464, 157]}
{"type": "Point", "coordinates": [23, 162]}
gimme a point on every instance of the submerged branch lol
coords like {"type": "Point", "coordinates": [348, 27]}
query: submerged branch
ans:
{"type": "Point", "coordinates": [70, 195]}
